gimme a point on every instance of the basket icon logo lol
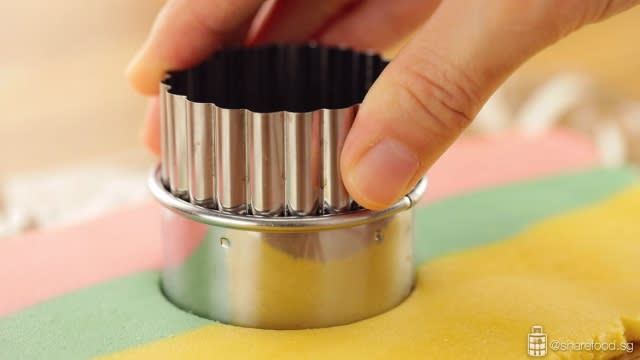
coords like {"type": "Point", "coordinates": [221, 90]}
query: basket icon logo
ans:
{"type": "Point", "coordinates": [537, 342]}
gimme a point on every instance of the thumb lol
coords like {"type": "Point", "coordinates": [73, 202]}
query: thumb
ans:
{"type": "Point", "coordinates": [433, 89]}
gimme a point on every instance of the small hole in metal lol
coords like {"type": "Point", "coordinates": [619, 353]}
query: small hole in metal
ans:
{"type": "Point", "coordinates": [379, 236]}
{"type": "Point", "coordinates": [225, 243]}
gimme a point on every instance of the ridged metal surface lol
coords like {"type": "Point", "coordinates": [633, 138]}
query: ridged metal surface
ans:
{"type": "Point", "coordinates": [270, 147]}
{"type": "Point", "coordinates": [335, 127]}
{"type": "Point", "coordinates": [176, 117]}
{"type": "Point", "coordinates": [231, 160]}
{"type": "Point", "coordinates": [265, 139]}
{"type": "Point", "coordinates": [268, 164]}
{"type": "Point", "coordinates": [164, 135]}
{"type": "Point", "coordinates": [201, 164]}
{"type": "Point", "coordinates": [303, 163]}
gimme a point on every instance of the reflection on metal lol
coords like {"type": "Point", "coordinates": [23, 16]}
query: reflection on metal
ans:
{"type": "Point", "coordinates": [303, 167]}
{"type": "Point", "coordinates": [303, 278]}
{"type": "Point", "coordinates": [263, 232]}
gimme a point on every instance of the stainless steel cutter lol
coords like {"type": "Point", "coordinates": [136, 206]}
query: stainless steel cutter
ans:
{"type": "Point", "coordinates": [259, 230]}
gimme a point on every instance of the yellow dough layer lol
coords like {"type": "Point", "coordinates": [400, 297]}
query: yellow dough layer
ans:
{"type": "Point", "coordinates": [577, 275]}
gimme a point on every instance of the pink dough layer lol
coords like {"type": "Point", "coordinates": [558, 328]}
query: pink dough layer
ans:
{"type": "Point", "coordinates": [40, 265]}
{"type": "Point", "coordinates": [477, 162]}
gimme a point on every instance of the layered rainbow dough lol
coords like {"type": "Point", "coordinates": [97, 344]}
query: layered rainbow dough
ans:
{"type": "Point", "coordinates": [561, 251]}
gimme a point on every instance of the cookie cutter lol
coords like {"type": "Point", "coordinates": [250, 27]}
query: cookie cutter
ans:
{"type": "Point", "coordinates": [258, 228]}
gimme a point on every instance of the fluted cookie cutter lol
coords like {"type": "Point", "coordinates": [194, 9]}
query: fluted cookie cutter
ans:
{"type": "Point", "coordinates": [259, 230]}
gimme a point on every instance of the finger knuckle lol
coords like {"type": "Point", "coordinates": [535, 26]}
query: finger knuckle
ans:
{"type": "Point", "coordinates": [445, 96]}
{"type": "Point", "coordinates": [605, 8]}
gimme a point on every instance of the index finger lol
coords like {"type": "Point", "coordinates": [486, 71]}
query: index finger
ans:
{"type": "Point", "coordinates": [184, 33]}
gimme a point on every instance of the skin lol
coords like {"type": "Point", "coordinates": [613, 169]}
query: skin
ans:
{"type": "Point", "coordinates": [460, 52]}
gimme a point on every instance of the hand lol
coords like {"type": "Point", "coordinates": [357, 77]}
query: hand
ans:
{"type": "Point", "coordinates": [462, 50]}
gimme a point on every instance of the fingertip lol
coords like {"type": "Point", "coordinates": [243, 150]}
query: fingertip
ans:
{"type": "Point", "coordinates": [376, 165]}
{"type": "Point", "coordinates": [355, 144]}
{"type": "Point", "coordinates": [144, 74]}
{"type": "Point", "coordinates": [382, 174]}
{"type": "Point", "coordinates": [356, 194]}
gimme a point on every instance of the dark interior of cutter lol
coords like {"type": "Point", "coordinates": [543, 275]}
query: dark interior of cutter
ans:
{"type": "Point", "coordinates": [296, 78]}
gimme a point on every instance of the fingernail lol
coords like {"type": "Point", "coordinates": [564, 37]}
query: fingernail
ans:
{"type": "Point", "coordinates": [383, 174]}
{"type": "Point", "coordinates": [135, 74]}
{"type": "Point", "coordinates": [133, 64]}
{"type": "Point", "coordinates": [144, 75]}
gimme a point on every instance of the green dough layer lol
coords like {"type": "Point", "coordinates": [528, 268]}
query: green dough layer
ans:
{"type": "Point", "coordinates": [484, 216]}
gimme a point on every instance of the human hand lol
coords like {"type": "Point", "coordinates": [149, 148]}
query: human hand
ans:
{"type": "Point", "coordinates": [461, 51]}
